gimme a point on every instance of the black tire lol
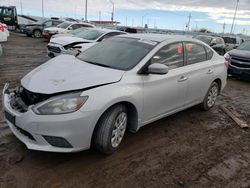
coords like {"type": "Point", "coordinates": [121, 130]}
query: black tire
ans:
{"type": "Point", "coordinates": [106, 127]}
{"type": "Point", "coordinates": [37, 34]}
{"type": "Point", "coordinates": [211, 96]}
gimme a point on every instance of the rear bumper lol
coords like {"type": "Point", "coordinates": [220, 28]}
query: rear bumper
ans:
{"type": "Point", "coordinates": [34, 130]}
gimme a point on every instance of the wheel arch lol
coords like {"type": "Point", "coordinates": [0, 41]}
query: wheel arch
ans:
{"type": "Point", "coordinates": [219, 82]}
{"type": "Point", "coordinates": [133, 116]}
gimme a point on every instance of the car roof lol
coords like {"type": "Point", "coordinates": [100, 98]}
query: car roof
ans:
{"type": "Point", "coordinates": [160, 37]}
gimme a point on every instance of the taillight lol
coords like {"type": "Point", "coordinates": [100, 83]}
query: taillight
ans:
{"type": "Point", "coordinates": [226, 63]}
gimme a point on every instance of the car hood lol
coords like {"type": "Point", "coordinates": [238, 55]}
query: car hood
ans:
{"type": "Point", "coordinates": [56, 29]}
{"type": "Point", "coordinates": [68, 40]}
{"type": "Point", "coordinates": [67, 73]}
{"type": "Point", "coordinates": [240, 53]}
{"type": "Point", "coordinates": [62, 35]}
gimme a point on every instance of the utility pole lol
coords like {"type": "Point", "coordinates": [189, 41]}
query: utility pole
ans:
{"type": "Point", "coordinates": [86, 10]}
{"type": "Point", "coordinates": [189, 19]}
{"type": "Point", "coordinates": [113, 11]}
{"type": "Point", "coordinates": [234, 16]}
{"type": "Point", "coordinates": [21, 7]}
{"type": "Point", "coordinates": [142, 19]}
{"type": "Point", "coordinates": [224, 27]}
{"type": "Point", "coordinates": [43, 8]}
{"type": "Point", "coordinates": [126, 21]}
{"type": "Point", "coordinates": [100, 15]}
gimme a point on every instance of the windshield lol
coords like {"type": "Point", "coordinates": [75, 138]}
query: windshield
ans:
{"type": "Point", "coordinates": [205, 39]}
{"type": "Point", "coordinates": [90, 34]}
{"type": "Point", "coordinates": [77, 31]}
{"type": "Point", "coordinates": [118, 53]}
{"type": "Point", "coordinates": [244, 46]}
{"type": "Point", "coordinates": [64, 25]}
{"type": "Point", "coordinates": [229, 40]}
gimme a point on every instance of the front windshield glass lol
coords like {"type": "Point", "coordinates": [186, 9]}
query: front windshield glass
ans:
{"type": "Point", "coordinates": [118, 53]}
{"type": "Point", "coordinates": [90, 34]}
{"type": "Point", "coordinates": [63, 25]}
{"type": "Point", "coordinates": [77, 31]}
{"type": "Point", "coordinates": [205, 39]}
{"type": "Point", "coordinates": [244, 46]}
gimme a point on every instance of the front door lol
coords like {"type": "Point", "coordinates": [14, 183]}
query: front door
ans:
{"type": "Point", "coordinates": [164, 94]}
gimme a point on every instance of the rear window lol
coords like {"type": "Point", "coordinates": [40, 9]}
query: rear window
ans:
{"type": "Point", "coordinates": [229, 40]}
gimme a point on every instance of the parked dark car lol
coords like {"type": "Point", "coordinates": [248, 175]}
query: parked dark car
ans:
{"type": "Point", "coordinates": [36, 29]}
{"type": "Point", "coordinates": [217, 43]}
{"type": "Point", "coordinates": [239, 61]}
{"type": "Point", "coordinates": [232, 42]}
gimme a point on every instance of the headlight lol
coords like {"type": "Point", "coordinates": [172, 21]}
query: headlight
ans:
{"type": "Point", "coordinates": [227, 56]}
{"type": "Point", "coordinates": [61, 105]}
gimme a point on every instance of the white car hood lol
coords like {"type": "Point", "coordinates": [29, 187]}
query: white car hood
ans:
{"type": "Point", "coordinates": [68, 40]}
{"type": "Point", "coordinates": [56, 29]}
{"type": "Point", "coordinates": [67, 73]}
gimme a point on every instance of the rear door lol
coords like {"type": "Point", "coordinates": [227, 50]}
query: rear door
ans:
{"type": "Point", "coordinates": [164, 94]}
{"type": "Point", "coordinates": [200, 71]}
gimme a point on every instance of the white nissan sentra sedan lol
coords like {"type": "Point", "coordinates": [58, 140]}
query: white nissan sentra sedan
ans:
{"type": "Point", "coordinates": [124, 83]}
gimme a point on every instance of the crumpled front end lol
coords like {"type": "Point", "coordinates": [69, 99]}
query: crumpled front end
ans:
{"type": "Point", "coordinates": [55, 133]}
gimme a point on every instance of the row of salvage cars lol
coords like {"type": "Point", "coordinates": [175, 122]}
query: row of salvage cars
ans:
{"type": "Point", "coordinates": [107, 82]}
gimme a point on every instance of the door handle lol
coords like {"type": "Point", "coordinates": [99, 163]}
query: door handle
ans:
{"type": "Point", "coordinates": [182, 79]}
{"type": "Point", "coordinates": [210, 71]}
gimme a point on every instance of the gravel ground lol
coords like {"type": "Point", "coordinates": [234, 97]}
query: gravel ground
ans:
{"type": "Point", "coordinates": [189, 149]}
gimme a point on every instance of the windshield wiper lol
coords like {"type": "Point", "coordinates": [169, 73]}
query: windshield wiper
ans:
{"type": "Point", "coordinates": [99, 64]}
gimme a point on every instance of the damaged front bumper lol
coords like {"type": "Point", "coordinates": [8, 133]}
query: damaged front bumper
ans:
{"type": "Point", "coordinates": [54, 133]}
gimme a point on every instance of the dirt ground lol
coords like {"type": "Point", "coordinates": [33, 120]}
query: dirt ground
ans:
{"type": "Point", "coordinates": [189, 149]}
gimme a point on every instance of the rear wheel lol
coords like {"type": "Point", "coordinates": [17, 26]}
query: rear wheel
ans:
{"type": "Point", "coordinates": [111, 129]}
{"type": "Point", "coordinates": [210, 97]}
{"type": "Point", "coordinates": [37, 34]}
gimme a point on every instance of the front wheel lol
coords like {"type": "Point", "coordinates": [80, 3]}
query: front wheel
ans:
{"type": "Point", "coordinates": [111, 129]}
{"type": "Point", "coordinates": [211, 96]}
{"type": "Point", "coordinates": [37, 34]}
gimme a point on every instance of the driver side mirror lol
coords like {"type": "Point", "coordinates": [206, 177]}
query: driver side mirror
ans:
{"type": "Point", "coordinates": [157, 68]}
{"type": "Point", "coordinates": [70, 28]}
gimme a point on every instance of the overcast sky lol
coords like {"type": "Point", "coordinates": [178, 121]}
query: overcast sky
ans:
{"type": "Point", "coordinates": [167, 14]}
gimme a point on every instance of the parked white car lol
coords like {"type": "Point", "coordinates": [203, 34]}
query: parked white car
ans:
{"type": "Point", "coordinates": [80, 42]}
{"type": "Point", "coordinates": [119, 84]}
{"type": "Point", "coordinates": [4, 33]}
{"type": "Point", "coordinates": [64, 28]}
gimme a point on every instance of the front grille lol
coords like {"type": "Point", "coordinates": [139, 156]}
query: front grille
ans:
{"type": "Point", "coordinates": [57, 141]}
{"type": "Point", "coordinates": [54, 49]}
{"type": "Point", "coordinates": [240, 62]}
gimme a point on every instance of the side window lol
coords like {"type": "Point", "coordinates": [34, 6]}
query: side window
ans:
{"type": "Point", "coordinates": [170, 55]}
{"type": "Point", "coordinates": [75, 26]}
{"type": "Point", "coordinates": [195, 53]}
{"type": "Point", "coordinates": [110, 35]}
{"type": "Point", "coordinates": [210, 53]}
{"type": "Point", "coordinates": [56, 23]}
{"type": "Point", "coordinates": [48, 24]}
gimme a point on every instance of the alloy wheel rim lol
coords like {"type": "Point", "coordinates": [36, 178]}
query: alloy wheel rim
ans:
{"type": "Point", "coordinates": [212, 95]}
{"type": "Point", "coordinates": [37, 34]}
{"type": "Point", "coordinates": [119, 129]}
